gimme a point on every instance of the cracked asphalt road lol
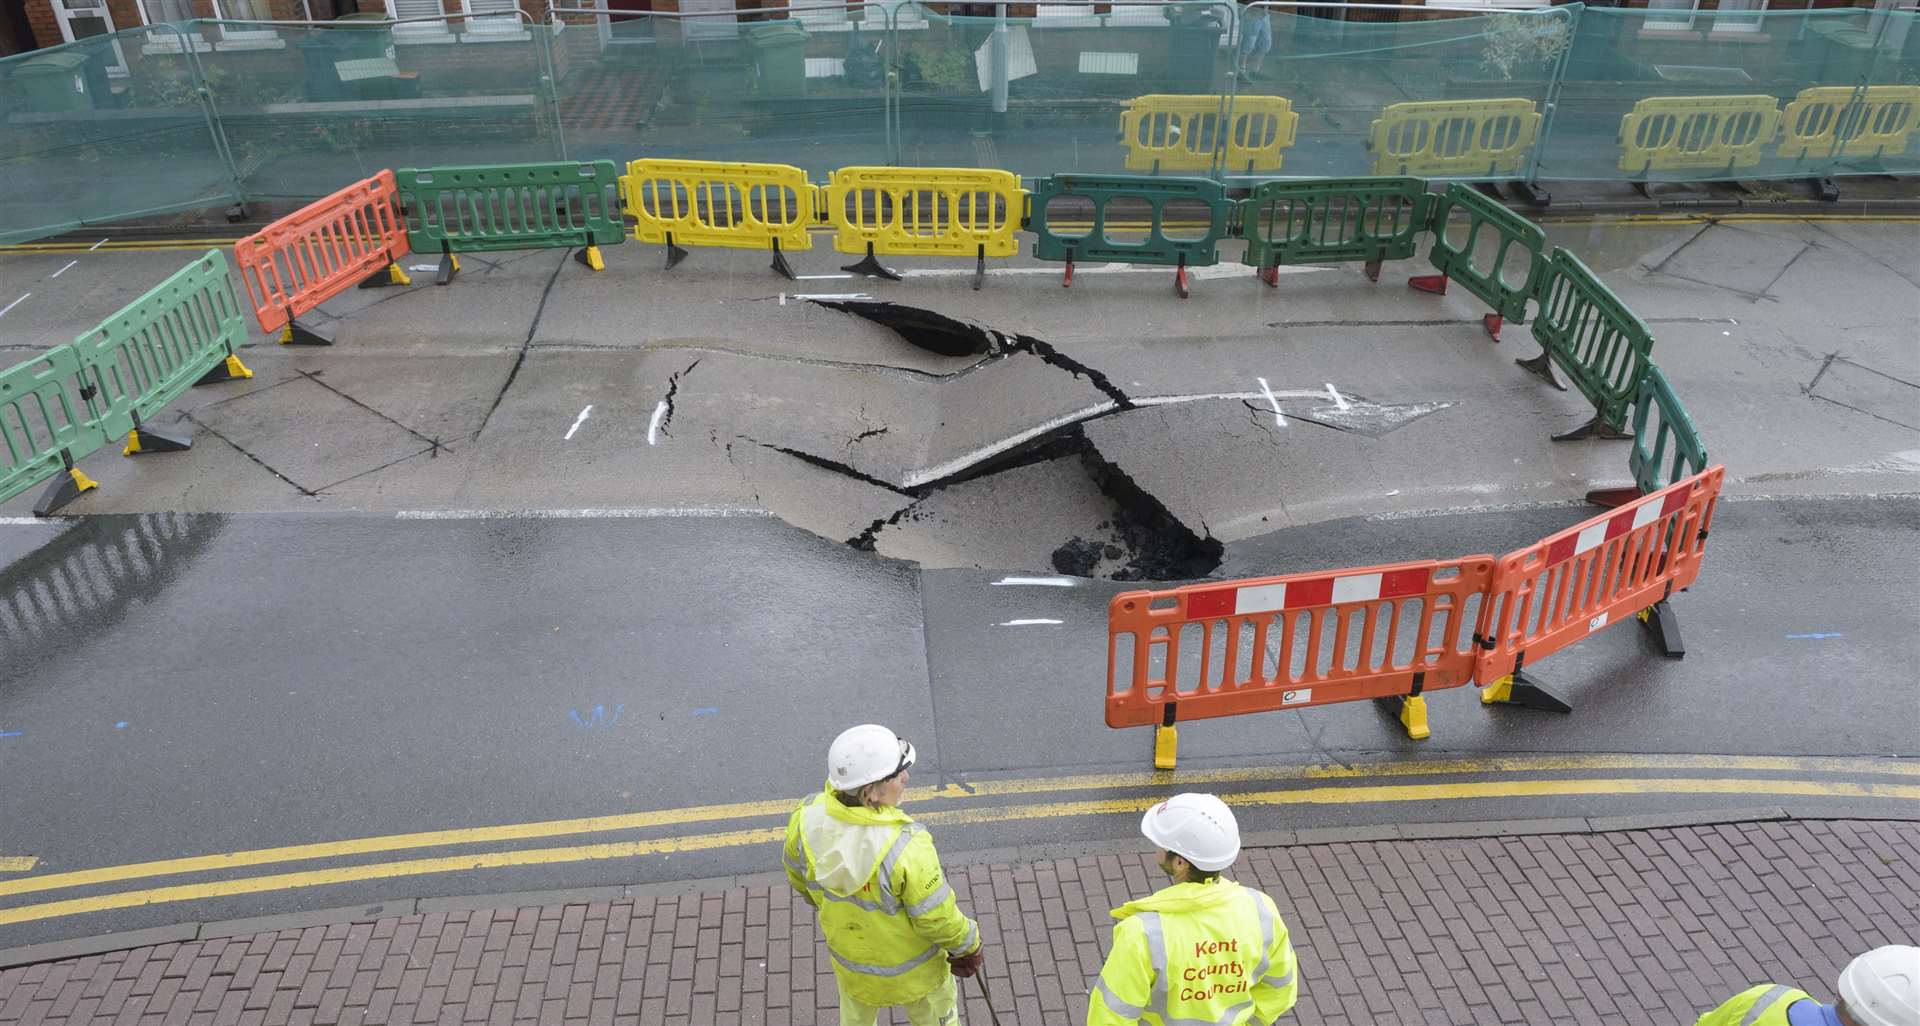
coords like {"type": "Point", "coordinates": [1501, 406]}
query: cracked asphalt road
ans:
{"type": "Point", "coordinates": [361, 667]}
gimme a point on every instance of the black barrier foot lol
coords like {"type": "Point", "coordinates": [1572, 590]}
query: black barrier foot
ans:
{"type": "Point", "coordinates": [1595, 428]}
{"type": "Point", "coordinates": [1825, 190]}
{"type": "Point", "coordinates": [1517, 688]}
{"type": "Point", "coordinates": [1490, 190]}
{"type": "Point", "coordinates": [297, 334]}
{"type": "Point", "coordinates": [590, 258]}
{"type": "Point", "coordinates": [674, 253]}
{"type": "Point", "coordinates": [1640, 186]}
{"type": "Point", "coordinates": [1373, 269]}
{"type": "Point", "coordinates": [236, 213]}
{"type": "Point", "coordinates": [1612, 497]}
{"type": "Point", "coordinates": [229, 369]}
{"type": "Point", "coordinates": [386, 277]}
{"type": "Point", "coordinates": [980, 269]}
{"type": "Point", "coordinates": [871, 267]}
{"type": "Point", "coordinates": [143, 439]}
{"type": "Point", "coordinates": [449, 266]}
{"type": "Point", "coordinates": [1542, 367]}
{"type": "Point", "coordinates": [779, 264]}
{"type": "Point", "coordinates": [1180, 278]}
{"type": "Point", "coordinates": [1532, 194]}
{"type": "Point", "coordinates": [1665, 625]}
{"type": "Point", "coordinates": [63, 490]}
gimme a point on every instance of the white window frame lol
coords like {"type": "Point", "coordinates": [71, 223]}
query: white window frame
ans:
{"type": "Point", "coordinates": [1669, 11]}
{"type": "Point", "coordinates": [420, 31]}
{"type": "Point", "coordinates": [492, 21]}
{"type": "Point", "coordinates": [1742, 19]}
{"type": "Point", "coordinates": [169, 41]}
{"type": "Point", "coordinates": [246, 37]}
{"type": "Point", "coordinates": [64, 16]}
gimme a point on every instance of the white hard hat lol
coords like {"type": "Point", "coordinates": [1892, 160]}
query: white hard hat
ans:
{"type": "Point", "coordinates": [864, 754]}
{"type": "Point", "coordinates": [1197, 827]}
{"type": "Point", "coordinates": [1882, 987]}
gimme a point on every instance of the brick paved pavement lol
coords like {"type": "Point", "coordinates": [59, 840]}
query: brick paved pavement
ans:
{"type": "Point", "coordinates": [1640, 926]}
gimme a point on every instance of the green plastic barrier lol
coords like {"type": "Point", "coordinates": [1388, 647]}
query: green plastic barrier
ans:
{"type": "Point", "coordinates": [156, 347]}
{"type": "Point", "coordinates": [1332, 220]}
{"type": "Point", "coordinates": [43, 426]}
{"type": "Point", "coordinates": [1457, 263]}
{"type": "Point", "coordinates": [1670, 449]}
{"type": "Point", "coordinates": [1602, 346]}
{"type": "Point", "coordinates": [1057, 236]}
{"type": "Point", "coordinates": [512, 206]}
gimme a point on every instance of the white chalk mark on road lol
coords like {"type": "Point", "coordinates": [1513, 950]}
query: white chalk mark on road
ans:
{"type": "Point", "coordinates": [63, 270]}
{"type": "Point", "coordinates": [1037, 582]}
{"type": "Point", "coordinates": [831, 295]}
{"type": "Point", "coordinates": [1278, 417]}
{"type": "Point", "coordinates": [640, 513]}
{"type": "Point", "coordinates": [653, 426]}
{"type": "Point", "coordinates": [9, 306]}
{"type": "Point", "coordinates": [1337, 401]}
{"type": "Point", "coordinates": [18, 863]}
{"type": "Point", "coordinates": [1029, 623]}
{"type": "Point", "coordinates": [97, 245]}
{"type": "Point", "coordinates": [577, 421]}
{"type": "Point", "coordinates": [820, 277]}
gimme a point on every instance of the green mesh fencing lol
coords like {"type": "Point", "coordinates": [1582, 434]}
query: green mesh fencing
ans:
{"type": "Point", "coordinates": [205, 113]}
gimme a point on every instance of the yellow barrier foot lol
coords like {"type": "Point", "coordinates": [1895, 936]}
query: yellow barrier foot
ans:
{"type": "Point", "coordinates": [1542, 367]}
{"type": "Point", "coordinates": [871, 267]}
{"type": "Point", "coordinates": [1166, 747]}
{"type": "Point", "coordinates": [1595, 428]}
{"type": "Point", "coordinates": [675, 254]}
{"type": "Point", "coordinates": [1517, 688]}
{"type": "Point", "coordinates": [226, 370]}
{"type": "Point", "coordinates": [386, 277]}
{"type": "Point", "coordinates": [143, 439]}
{"type": "Point", "coordinates": [1660, 619]}
{"type": "Point", "coordinates": [63, 489]}
{"type": "Point", "coordinates": [779, 264]}
{"type": "Point", "coordinates": [590, 256]}
{"type": "Point", "coordinates": [1413, 716]}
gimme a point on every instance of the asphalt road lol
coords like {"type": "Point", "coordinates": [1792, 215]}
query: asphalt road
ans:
{"type": "Point", "coordinates": [180, 685]}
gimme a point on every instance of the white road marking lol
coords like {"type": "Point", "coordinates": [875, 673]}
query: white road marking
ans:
{"type": "Point", "coordinates": [577, 421]}
{"type": "Point", "coordinates": [63, 270]}
{"type": "Point", "coordinates": [1337, 401]}
{"type": "Point", "coordinates": [644, 513]}
{"type": "Point", "coordinates": [24, 521]}
{"type": "Point", "coordinates": [1029, 623]}
{"type": "Point", "coordinates": [820, 277]}
{"type": "Point", "coordinates": [831, 295]}
{"type": "Point", "coordinates": [423, 267]}
{"type": "Point", "coordinates": [653, 426]}
{"type": "Point", "coordinates": [1278, 417]}
{"type": "Point", "coordinates": [1219, 271]}
{"type": "Point", "coordinates": [1037, 582]}
{"type": "Point", "coordinates": [9, 306]}
{"type": "Point", "coordinates": [97, 245]}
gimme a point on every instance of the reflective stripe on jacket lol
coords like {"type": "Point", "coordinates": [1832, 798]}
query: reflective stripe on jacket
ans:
{"type": "Point", "coordinates": [886, 910]}
{"type": "Point", "coordinates": [1196, 954]}
{"type": "Point", "coordinates": [1765, 1005]}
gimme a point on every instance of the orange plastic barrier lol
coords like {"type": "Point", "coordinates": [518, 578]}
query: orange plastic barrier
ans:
{"type": "Point", "coordinates": [321, 250]}
{"type": "Point", "coordinates": [1615, 566]}
{"type": "Point", "coordinates": [1292, 642]}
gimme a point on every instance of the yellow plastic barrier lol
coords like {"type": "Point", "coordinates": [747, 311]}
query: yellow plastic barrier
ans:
{"type": "Point", "coordinates": [1454, 137]}
{"type": "Point", "coordinates": [716, 203]}
{"type": "Point", "coordinates": [1667, 133]}
{"type": "Point", "coordinates": [1841, 121]}
{"type": "Point", "coordinates": [1181, 133]}
{"type": "Point", "coordinates": [924, 211]}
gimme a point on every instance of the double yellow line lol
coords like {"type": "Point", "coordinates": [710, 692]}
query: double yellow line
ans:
{"type": "Point", "coordinates": [959, 808]}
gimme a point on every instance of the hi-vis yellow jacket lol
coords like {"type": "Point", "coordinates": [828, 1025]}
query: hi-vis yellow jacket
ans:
{"type": "Point", "coordinates": [1765, 1005]}
{"type": "Point", "coordinates": [1196, 953]}
{"type": "Point", "coordinates": [886, 909]}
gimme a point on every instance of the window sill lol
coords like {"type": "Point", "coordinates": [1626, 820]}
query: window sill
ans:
{"type": "Point", "coordinates": [1674, 35]}
{"type": "Point", "coordinates": [424, 38]}
{"type": "Point", "coordinates": [157, 48]}
{"type": "Point", "coordinates": [494, 37]}
{"type": "Point", "coordinates": [241, 43]}
{"type": "Point", "coordinates": [1738, 36]}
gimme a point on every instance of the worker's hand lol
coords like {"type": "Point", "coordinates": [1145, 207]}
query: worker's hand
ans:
{"type": "Point", "coordinates": [964, 966]}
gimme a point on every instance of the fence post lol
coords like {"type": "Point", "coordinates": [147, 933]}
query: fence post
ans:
{"type": "Point", "coordinates": [1529, 189]}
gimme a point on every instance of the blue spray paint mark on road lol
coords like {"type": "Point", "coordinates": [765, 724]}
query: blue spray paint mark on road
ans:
{"type": "Point", "coordinates": [707, 710]}
{"type": "Point", "coordinates": [597, 718]}
{"type": "Point", "coordinates": [11, 733]}
{"type": "Point", "coordinates": [1814, 636]}
{"type": "Point", "coordinates": [122, 725]}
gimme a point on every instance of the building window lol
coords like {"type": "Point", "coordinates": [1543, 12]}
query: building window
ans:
{"type": "Point", "coordinates": [493, 19]}
{"type": "Point", "coordinates": [246, 10]}
{"type": "Point", "coordinates": [434, 31]}
{"type": "Point", "coordinates": [1738, 16]}
{"type": "Point", "coordinates": [169, 12]}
